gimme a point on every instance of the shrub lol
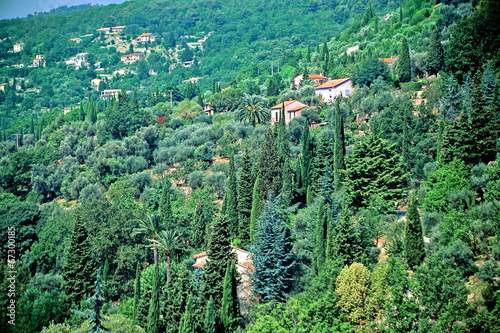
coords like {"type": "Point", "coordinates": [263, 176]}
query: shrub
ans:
{"type": "Point", "coordinates": [91, 192]}
{"type": "Point", "coordinates": [134, 164]}
{"type": "Point", "coordinates": [196, 179]}
{"type": "Point", "coordinates": [175, 123]}
{"type": "Point", "coordinates": [204, 153]}
{"type": "Point", "coordinates": [217, 183]}
{"type": "Point", "coordinates": [141, 180]}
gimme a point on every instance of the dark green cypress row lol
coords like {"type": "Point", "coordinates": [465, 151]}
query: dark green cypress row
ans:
{"type": "Point", "coordinates": [90, 110]}
{"type": "Point", "coordinates": [308, 54]}
{"type": "Point", "coordinates": [269, 172]}
{"type": "Point", "coordinates": [188, 322]}
{"type": "Point", "coordinates": [405, 154]}
{"type": "Point", "coordinates": [306, 157]}
{"type": "Point", "coordinates": [435, 54]}
{"type": "Point", "coordinates": [176, 293]}
{"type": "Point", "coordinates": [245, 191]}
{"type": "Point", "coordinates": [339, 147]}
{"type": "Point", "coordinates": [137, 292]}
{"type": "Point", "coordinates": [198, 227]}
{"type": "Point", "coordinates": [255, 214]}
{"type": "Point", "coordinates": [284, 161]}
{"type": "Point", "coordinates": [230, 308]}
{"type": "Point", "coordinates": [404, 65]}
{"type": "Point", "coordinates": [165, 206]}
{"type": "Point", "coordinates": [154, 308]}
{"type": "Point", "coordinates": [81, 114]}
{"type": "Point", "coordinates": [232, 200]}
{"type": "Point", "coordinates": [414, 249]}
{"type": "Point", "coordinates": [439, 142]}
{"type": "Point", "coordinates": [320, 230]}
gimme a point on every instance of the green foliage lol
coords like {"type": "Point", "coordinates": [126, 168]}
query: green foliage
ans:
{"type": "Point", "coordinates": [232, 200]}
{"type": "Point", "coordinates": [339, 146]}
{"type": "Point", "coordinates": [404, 65]}
{"type": "Point", "coordinates": [137, 292]}
{"type": "Point", "coordinates": [226, 101]}
{"type": "Point", "coordinates": [211, 324]}
{"type": "Point", "coordinates": [414, 239]}
{"type": "Point", "coordinates": [153, 325]}
{"type": "Point", "coordinates": [230, 306]}
{"type": "Point", "coordinates": [255, 213]}
{"type": "Point", "coordinates": [435, 54]}
{"type": "Point", "coordinates": [245, 192]}
{"type": "Point", "coordinates": [96, 301]}
{"type": "Point", "coordinates": [187, 324]}
{"type": "Point", "coordinates": [175, 295]}
{"type": "Point", "coordinates": [269, 173]}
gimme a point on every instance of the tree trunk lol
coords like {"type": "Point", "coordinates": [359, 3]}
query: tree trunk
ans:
{"type": "Point", "coordinates": [157, 267]}
{"type": "Point", "coordinates": [168, 266]}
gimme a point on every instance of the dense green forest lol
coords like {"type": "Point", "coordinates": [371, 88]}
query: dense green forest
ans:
{"type": "Point", "coordinates": [379, 212]}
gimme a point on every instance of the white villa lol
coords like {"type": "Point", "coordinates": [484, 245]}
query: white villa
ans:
{"type": "Point", "coordinates": [244, 264]}
{"type": "Point", "coordinates": [333, 88]}
{"type": "Point", "coordinates": [77, 60]}
{"type": "Point", "coordinates": [293, 109]}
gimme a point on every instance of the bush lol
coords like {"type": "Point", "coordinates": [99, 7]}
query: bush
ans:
{"type": "Point", "coordinates": [175, 123]}
{"type": "Point", "coordinates": [217, 183]}
{"type": "Point", "coordinates": [141, 180]}
{"type": "Point", "coordinates": [134, 164]}
{"type": "Point", "coordinates": [91, 192]}
{"type": "Point", "coordinates": [204, 153]}
{"type": "Point", "coordinates": [196, 179]}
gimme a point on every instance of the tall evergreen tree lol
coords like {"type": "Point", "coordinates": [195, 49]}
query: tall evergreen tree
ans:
{"type": "Point", "coordinates": [90, 110]}
{"type": "Point", "coordinates": [320, 234]}
{"type": "Point", "coordinates": [435, 53]}
{"type": "Point", "coordinates": [137, 292]}
{"type": "Point", "coordinates": [211, 324]}
{"type": "Point", "coordinates": [339, 146]}
{"type": "Point", "coordinates": [154, 307]}
{"type": "Point", "coordinates": [245, 190]}
{"type": "Point", "coordinates": [232, 200]}
{"type": "Point", "coordinates": [308, 54]}
{"type": "Point", "coordinates": [198, 226]}
{"type": "Point", "coordinates": [255, 214]}
{"type": "Point", "coordinates": [96, 301]}
{"type": "Point", "coordinates": [165, 206]}
{"type": "Point", "coordinates": [405, 154]}
{"type": "Point", "coordinates": [284, 161]}
{"type": "Point", "coordinates": [176, 293]}
{"type": "Point", "coordinates": [451, 103]}
{"type": "Point", "coordinates": [81, 113]}
{"type": "Point", "coordinates": [219, 252]}
{"type": "Point", "coordinates": [323, 157]}
{"type": "Point", "coordinates": [307, 155]}
{"type": "Point", "coordinates": [273, 256]}
{"type": "Point", "coordinates": [269, 172]}
{"type": "Point", "coordinates": [414, 249]}
{"type": "Point", "coordinates": [439, 141]}
{"type": "Point", "coordinates": [78, 266]}
{"type": "Point", "coordinates": [230, 308]}
{"type": "Point", "coordinates": [404, 64]}
{"type": "Point", "coordinates": [188, 322]}
{"type": "Point", "coordinates": [488, 86]}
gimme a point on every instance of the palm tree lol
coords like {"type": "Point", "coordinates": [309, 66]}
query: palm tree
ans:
{"type": "Point", "coordinates": [151, 227]}
{"type": "Point", "coordinates": [169, 241]}
{"type": "Point", "coordinates": [254, 110]}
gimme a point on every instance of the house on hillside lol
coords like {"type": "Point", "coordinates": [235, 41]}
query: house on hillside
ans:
{"type": "Point", "coordinates": [207, 110]}
{"type": "Point", "coordinates": [2, 86]}
{"type": "Point", "coordinates": [94, 84]}
{"type": "Point", "coordinates": [77, 60]}
{"type": "Point", "coordinates": [18, 47]}
{"type": "Point", "coordinates": [318, 79]}
{"type": "Point", "coordinates": [390, 60]}
{"type": "Point", "coordinates": [333, 88]}
{"type": "Point", "coordinates": [117, 29]}
{"type": "Point", "coordinates": [39, 61]}
{"type": "Point", "coordinates": [352, 49]}
{"type": "Point", "coordinates": [192, 80]}
{"type": "Point", "coordinates": [106, 30]}
{"type": "Point", "coordinates": [144, 38]}
{"type": "Point", "coordinates": [293, 109]}
{"type": "Point", "coordinates": [244, 264]}
{"type": "Point", "coordinates": [76, 40]}
{"type": "Point", "coordinates": [110, 93]}
{"type": "Point", "coordinates": [131, 58]}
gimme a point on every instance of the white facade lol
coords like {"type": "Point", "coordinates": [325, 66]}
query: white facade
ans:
{"type": "Point", "coordinates": [293, 109]}
{"type": "Point", "coordinates": [331, 89]}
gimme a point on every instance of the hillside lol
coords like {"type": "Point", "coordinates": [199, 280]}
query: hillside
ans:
{"type": "Point", "coordinates": [207, 167]}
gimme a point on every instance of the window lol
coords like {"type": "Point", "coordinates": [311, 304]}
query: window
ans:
{"type": "Point", "coordinates": [347, 92]}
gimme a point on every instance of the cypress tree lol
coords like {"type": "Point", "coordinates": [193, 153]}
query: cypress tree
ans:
{"type": "Point", "coordinates": [224, 206]}
{"type": "Point", "coordinates": [435, 53]}
{"type": "Point", "coordinates": [232, 200]}
{"type": "Point", "coordinates": [176, 294]}
{"type": "Point", "coordinates": [414, 249]}
{"type": "Point", "coordinates": [188, 323]}
{"type": "Point", "coordinates": [439, 142]}
{"type": "Point", "coordinates": [323, 157]}
{"type": "Point", "coordinates": [284, 161]}
{"type": "Point", "coordinates": [137, 292]}
{"type": "Point", "coordinates": [404, 64]}
{"type": "Point", "coordinates": [135, 102]}
{"type": "Point", "coordinates": [154, 308]}
{"type": "Point", "coordinates": [405, 154]}
{"type": "Point", "coordinates": [77, 269]}
{"type": "Point", "coordinates": [401, 14]}
{"type": "Point", "coordinates": [255, 214]}
{"type": "Point", "coordinates": [230, 308]}
{"type": "Point", "coordinates": [307, 155]}
{"type": "Point", "coordinates": [339, 147]}
{"type": "Point", "coordinates": [324, 51]}
{"type": "Point", "coordinates": [90, 110]}
{"type": "Point", "coordinates": [245, 190]}
{"type": "Point", "coordinates": [81, 114]}
{"type": "Point", "coordinates": [219, 252]}
{"type": "Point", "coordinates": [211, 324]}
{"type": "Point", "coordinates": [32, 126]}
{"type": "Point", "coordinates": [308, 54]}
{"type": "Point", "coordinates": [198, 228]}
{"type": "Point", "coordinates": [269, 173]}
{"type": "Point", "coordinates": [320, 231]}
{"type": "Point", "coordinates": [166, 207]}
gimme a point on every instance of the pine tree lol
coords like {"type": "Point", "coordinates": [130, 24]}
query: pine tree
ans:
{"type": "Point", "coordinates": [308, 54]}
{"type": "Point", "coordinates": [232, 200]}
{"type": "Point", "coordinates": [176, 294]}
{"type": "Point", "coordinates": [404, 64]}
{"type": "Point", "coordinates": [320, 233]}
{"type": "Point", "coordinates": [219, 252]}
{"type": "Point", "coordinates": [451, 103]}
{"type": "Point", "coordinates": [466, 97]}
{"type": "Point", "coordinates": [273, 256]}
{"type": "Point", "coordinates": [488, 86]}
{"type": "Point", "coordinates": [211, 324]}
{"type": "Point", "coordinates": [339, 146]}
{"type": "Point", "coordinates": [307, 155]}
{"type": "Point", "coordinates": [198, 226]}
{"type": "Point", "coordinates": [188, 321]}
{"type": "Point", "coordinates": [165, 206]}
{"type": "Point", "coordinates": [323, 157]}
{"type": "Point", "coordinates": [255, 214]}
{"type": "Point", "coordinates": [90, 110]}
{"type": "Point", "coordinates": [154, 308]}
{"type": "Point", "coordinates": [137, 292]}
{"type": "Point", "coordinates": [245, 190]}
{"type": "Point", "coordinates": [230, 308]}
{"type": "Point", "coordinates": [284, 161]}
{"type": "Point", "coordinates": [435, 54]}
{"type": "Point", "coordinates": [78, 267]}
{"type": "Point", "coordinates": [439, 141]}
{"type": "Point", "coordinates": [414, 241]}
{"type": "Point", "coordinates": [405, 154]}
{"type": "Point", "coordinates": [96, 301]}
{"type": "Point", "coordinates": [81, 114]}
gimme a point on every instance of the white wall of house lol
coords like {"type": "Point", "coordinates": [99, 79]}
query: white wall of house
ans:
{"type": "Point", "coordinates": [329, 94]}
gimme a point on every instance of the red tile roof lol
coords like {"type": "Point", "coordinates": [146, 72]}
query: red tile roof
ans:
{"type": "Point", "coordinates": [316, 77]}
{"type": "Point", "coordinates": [280, 105]}
{"type": "Point", "coordinates": [200, 255]}
{"type": "Point", "coordinates": [297, 108]}
{"type": "Point", "coordinates": [389, 60]}
{"type": "Point", "coordinates": [332, 83]}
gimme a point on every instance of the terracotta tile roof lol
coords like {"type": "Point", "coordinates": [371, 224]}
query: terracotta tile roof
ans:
{"type": "Point", "coordinates": [200, 255]}
{"type": "Point", "coordinates": [280, 105]}
{"type": "Point", "coordinates": [104, 29]}
{"type": "Point", "coordinates": [332, 83]}
{"type": "Point", "coordinates": [297, 108]}
{"type": "Point", "coordinates": [119, 27]}
{"type": "Point", "coordinates": [146, 34]}
{"type": "Point", "coordinates": [389, 60]}
{"type": "Point", "coordinates": [316, 77]}
{"type": "Point", "coordinates": [200, 264]}
{"type": "Point", "coordinates": [248, 265]}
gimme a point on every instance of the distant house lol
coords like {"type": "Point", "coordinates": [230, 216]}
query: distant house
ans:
{"type": "Point", "coordinates": [318, 79]}
{"type": "Point", "coordinates": [293, 109]}
{"type": "Point", "coordinates": [105, 30]}
{"type": "Point", "coordinates": [192, 80]}
{"type": "Point", "coordinates": [333, 88]}
{"type": "Point", "coordinates": [67, 109]}
{"type": "Point", "coordinates": [2, 86]}
{"type": "Point", "coordinates": [18, 47]}
{"type": "Point", "coordinates": [352, 49]}
{"type": "Point", "coordinates": [244, 264]}
{"type": "Point", "coordinates": [188, 63]}
{"type": "Point", "coordinates": [389, 60]}
{"type": "Point", "coordinates": [131, 58]}
{"type": "Point", "coordinates": [94, 84]}
{"type": "Point", "coordinates": [117, 29]}
{"type": "Point", "coordinates": [77, 60]}
{"type": "Point", "coordinates": [207, 110]}
{"type": "Point", "coordinates": [110, 93]}
{"type": "Point", "coordinates": [39, 61]}
{"type": "Point", "coordinates": [386, 17]}
{"type": "Point", "coordinates": [76, 40]}
{"type": "Point", "coordinates": [144, 38]}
